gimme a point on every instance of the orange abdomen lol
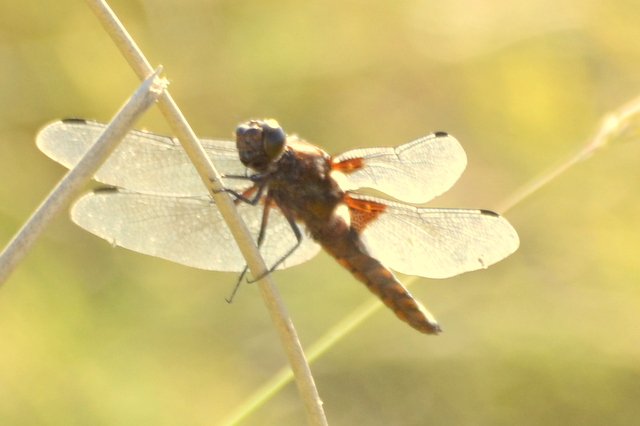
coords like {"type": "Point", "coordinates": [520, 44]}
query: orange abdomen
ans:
{"type": "Point", "coordinates": [381, 282]}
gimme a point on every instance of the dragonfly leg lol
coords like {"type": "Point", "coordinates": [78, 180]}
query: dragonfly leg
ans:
{"type": "Point", "coordinates": [244, 177]}
{"type": "Point", "coordinates": [224, 189]}
{"type": "Point", "coordinates": [296, 232]}
{"type": "Point", "coordinates": [246, 197]}
{"type": "Point", "coordinates": [263, 227]}
{"type": "Point", "coordinates": [237, 286]}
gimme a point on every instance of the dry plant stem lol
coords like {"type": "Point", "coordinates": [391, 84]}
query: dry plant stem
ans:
{"type": "Point", "coordinates": [211, 178]}
{"type": "Point", "coordinates": [611, 123]}
{"type": "Point", "coordinates": [73, 182]}
{"type": "Point", "coordinates": [317, 349]}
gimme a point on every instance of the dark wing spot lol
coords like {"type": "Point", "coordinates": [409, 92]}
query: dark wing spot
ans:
{"type": "Point", "coordinates": [441, 134]}
{"type": "Point", "coordinates": [74, 120]}
{"type": "Point", "coordinates": [106, 188]}
{"type": "Point", "coordinates": [489, 213]}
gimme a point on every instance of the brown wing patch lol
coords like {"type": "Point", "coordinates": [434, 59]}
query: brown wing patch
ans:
{"type": "Point", "coordinates": [363, 212]}
{"type": "Point", "coordinates": [348, 165]}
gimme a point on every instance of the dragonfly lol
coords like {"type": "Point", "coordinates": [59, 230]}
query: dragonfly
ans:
{"type": "Point", "coordinates": [295, 199]}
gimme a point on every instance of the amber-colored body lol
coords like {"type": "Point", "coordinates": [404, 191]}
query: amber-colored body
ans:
{"type": "Point", "coordinates": [299, 181]}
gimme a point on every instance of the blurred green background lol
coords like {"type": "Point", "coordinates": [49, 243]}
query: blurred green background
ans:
{"type": "Point", "coordinates": [550, 336]}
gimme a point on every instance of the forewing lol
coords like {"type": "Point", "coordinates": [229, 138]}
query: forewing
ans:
{"type": "Point", "coordinates": [414, 172]}
{"type": "Point", "coordinates": [186, 230]}
{"type": "Point", "coordinates": [142, 161]}
{"type": "Point", "coordinates": [431, 242]}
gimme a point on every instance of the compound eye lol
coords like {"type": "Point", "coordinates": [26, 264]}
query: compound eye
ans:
{"type": "Point", "coordinates": [273, 138]}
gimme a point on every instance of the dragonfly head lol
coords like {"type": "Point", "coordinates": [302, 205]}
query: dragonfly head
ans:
{"type": "Point", "coordinates": [259, 143]}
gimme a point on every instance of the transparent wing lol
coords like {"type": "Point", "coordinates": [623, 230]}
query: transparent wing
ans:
{"type": "Point", "coordinates": [186, 230]}
{"type": "Point", "coordinates": [436, 243]}
{"type": "Point", "coordinates": [143, 161]}
{"type": "Point", "coordinates": [415, 172]}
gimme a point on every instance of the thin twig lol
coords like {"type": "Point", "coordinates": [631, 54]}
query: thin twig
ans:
{"type": "Point", "coordinates": [314, 351]}
{"type": "Point", "coordinates": [609, 125]}
{"type": "Point", "coordinates": [73, 182]}
{"type": "Point", "coordinates": [211, 178]}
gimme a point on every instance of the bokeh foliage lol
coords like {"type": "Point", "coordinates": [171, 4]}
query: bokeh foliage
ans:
{"type": "Point", "coordinates": [95, 335]}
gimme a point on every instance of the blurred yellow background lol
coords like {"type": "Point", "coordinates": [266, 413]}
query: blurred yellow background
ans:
{"type": "Point", "coordinates": [550, 336]}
